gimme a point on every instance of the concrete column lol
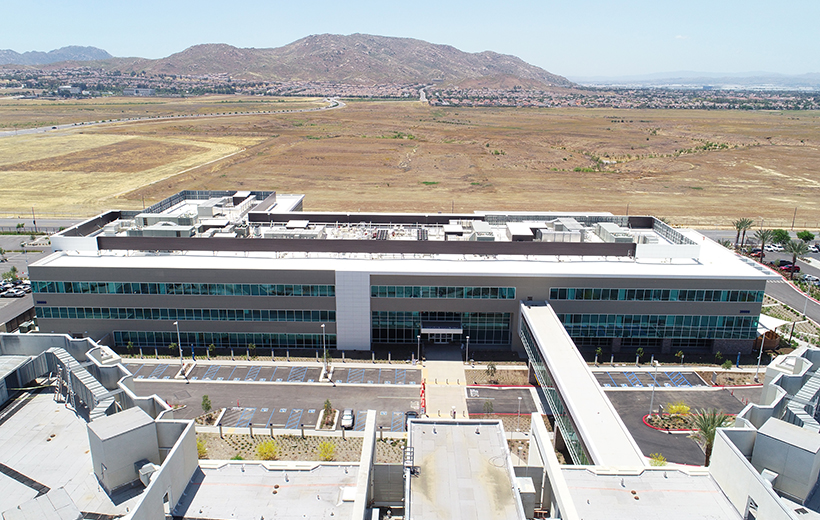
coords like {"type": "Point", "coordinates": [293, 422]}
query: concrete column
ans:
{"type": "Point", "coordinates": [666, 346]}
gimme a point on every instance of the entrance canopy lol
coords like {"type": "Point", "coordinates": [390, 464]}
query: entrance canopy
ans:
{"type": "Point", "coordinates": [441, 327]}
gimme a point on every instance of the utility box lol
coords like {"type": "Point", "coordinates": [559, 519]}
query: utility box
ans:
{"type": "Point", "coordinates": [119, 441]}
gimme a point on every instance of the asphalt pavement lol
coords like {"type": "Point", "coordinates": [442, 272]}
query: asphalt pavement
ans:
{"type": "Point", "coordinates": [633, 405]}
{"type": "Point", "coordinates": [284, 405]}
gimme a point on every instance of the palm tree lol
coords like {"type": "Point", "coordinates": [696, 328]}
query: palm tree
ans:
{"type": "Point", "coordinates": [704, 427]}
{"type": "Point", "coordinates": [797, 248]}
{"type": "Point", "coordinates": [764, 236]}
{"type": "Point", "coordinates": [742, 225]}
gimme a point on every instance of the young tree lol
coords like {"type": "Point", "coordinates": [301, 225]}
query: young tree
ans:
{"type": "Point", "coordinates": [704, 426]}
{"type": "Point", "coordinates": [488, 407]}
{"type": "Point", "coordinates": [780, 236]}
{"type": "Point", "coordinates": [598, 353]}
{"type": "Point", "coordinates": [206, 403]}
{"type": "Point", "coordinates": [742, 225]}
{"type": "Point", "coordinates": [173, 349]}
{"type": "Point", "coordinates": [679, 355]}
{"type": "Point", "coordinates": [638, 355]}
{"type": "Point", "coordinates": [491, 369]}
{"type": "Point", "coordinates": [805, 236]}
{"type": "Point", "coordinates": [764, 236]}
{"type": "Point", "coordinates": [797, 248]}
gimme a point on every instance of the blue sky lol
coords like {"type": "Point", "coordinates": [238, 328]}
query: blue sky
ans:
{"type": "Point", "coordinates": [569, 37]}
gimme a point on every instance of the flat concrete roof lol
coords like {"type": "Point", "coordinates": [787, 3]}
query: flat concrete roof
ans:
{"type": "Point", "coordinates": [48, 443]}
{"type": "Point", "coordinates": [227, 491]}
{"type": "Point", "coordinates": [9, 364]}
{"type": "Point", "coordinates": [649, 494]}
{"type": "Point", "coordinates": [599, 426]}
{"type": "Point", "coordinates": [125, 421]}
{"type": "Point", "coordinates": [715, 262]}
{"type": "Point", "coordinates": [464, 472]}
{"type": "Point", "coordinates": [792, 434]}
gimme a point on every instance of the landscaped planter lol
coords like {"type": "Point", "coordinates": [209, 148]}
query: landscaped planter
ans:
{"type": "Point", "coordinates": [671, 422]}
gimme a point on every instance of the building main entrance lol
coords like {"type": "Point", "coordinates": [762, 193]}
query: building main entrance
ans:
{"type": "Point", "coordinates": [440, 339]}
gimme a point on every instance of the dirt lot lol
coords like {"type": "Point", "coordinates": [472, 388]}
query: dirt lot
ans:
{"type": "Point", "coordinates": [693, 167]}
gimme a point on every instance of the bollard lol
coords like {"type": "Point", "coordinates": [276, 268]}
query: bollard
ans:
{"type": "Point", "coordinates": [156, 354]}
{"type": "Point", "coordinates": [272, 356]}
{"type": "Point", "coordinates": [343, 434]}
{"type": "Point", "coordinates": [270, 425]}
{"type": "Point", "coordinates": [220, 431]}
{"type": "Point", "coordinates": [231, 354]}
{"type": "Point", "coordinates": [343, 357]}
{"type": "Point", "coordinates": [317, 356]}
{"type": "Point", "coordinates": [389, 361]}
{"type": "Point", "coordinates": [381, 434]}
{"type": "Point", "coordinates": [373, 357]}
{"type": "Point", "coordinates": [140, 352]}
{"type": "Point", "coordinates": [303, 430]}
{"type": "Point", "coordinates": [612, 360]}
{"type": "Point", "coordinates": [287, 354]}
{"type": "Point", "coordinates": [250, 425]}
{"type": "Point", "coordinates": [447, 381]}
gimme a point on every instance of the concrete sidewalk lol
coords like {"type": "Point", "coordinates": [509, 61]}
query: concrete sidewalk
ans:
{"type": "Point", "coordinates": [446, 384]}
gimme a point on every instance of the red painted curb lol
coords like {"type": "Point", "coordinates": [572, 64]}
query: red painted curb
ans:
{"type": "Point", "coordinates": [500, 386]}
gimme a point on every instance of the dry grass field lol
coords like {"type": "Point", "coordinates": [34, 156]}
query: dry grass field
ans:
{"type": "Point", "coordinates": [693, 167]}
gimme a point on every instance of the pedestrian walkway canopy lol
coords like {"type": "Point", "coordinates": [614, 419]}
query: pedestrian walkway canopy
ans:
{"type": "Point", "coordinates": [585, 418]}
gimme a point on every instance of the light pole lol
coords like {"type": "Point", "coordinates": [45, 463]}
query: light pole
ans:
{"type": "Point", "coordinates": [518, 427]}
{"type": "Point", "coordinates": [467, 357]}
{"type": "Point", "coordinates": [179, 344]}
{"type": "Point", "coordinates": [324, 349]}
{"type": "Point", "coordinates": [418, 347]}
{"type": "Point", "coordinates": [654, 384]}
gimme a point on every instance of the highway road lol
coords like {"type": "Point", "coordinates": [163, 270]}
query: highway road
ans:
{"type": "Point", "coordinates": [333, 104]}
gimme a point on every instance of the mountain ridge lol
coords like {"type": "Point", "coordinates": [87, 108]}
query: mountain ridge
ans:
{"type": "Point", "coordinates": [353, 59]}
{"type": "Point", "coordinates": [68, 53]}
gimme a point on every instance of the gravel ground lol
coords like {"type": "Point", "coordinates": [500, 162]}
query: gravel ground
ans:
{"type": "Point", "coordinates": [294, 447]}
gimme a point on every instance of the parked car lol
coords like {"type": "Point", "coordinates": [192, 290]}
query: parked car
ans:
{"type": "Point", "coordinates": [7, 294]}
{"type": "Point", "coordinates": [810, 278]}
{"type": "Point", "coordinates": [347, 419]}
{"type": "Point", "coordinates": [814, 248]}
{"type": "Point", "coordinates": [758, 254]}
{"type": "Point", "coordinates": [790, 268]}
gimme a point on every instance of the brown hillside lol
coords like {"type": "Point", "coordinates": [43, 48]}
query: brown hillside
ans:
{"type": "Point", "coordinates": [353, 59]}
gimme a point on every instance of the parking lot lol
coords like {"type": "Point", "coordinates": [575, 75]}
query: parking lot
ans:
{"type": "Point", "coordinates": [278, 374]}
{"type": "Point", "coordinates": [665, 379]}
{"type": "Point", "coordinates": [503, 400]}
{"type": "Point", "coordinates": [285, 406]}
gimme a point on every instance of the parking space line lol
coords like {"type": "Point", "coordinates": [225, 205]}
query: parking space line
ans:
{"type": "Point", "coordinates": [232, 371]}
{"type": "Point", "coordinates": [243, 420]}
{"type": "Point", "coordinates": [677, 379]}
{"type": "Point", "coordinates": [653, 379]}
{"type": "Point", "coordinates": [633, 379]}
{"type": "Point", "coordinates": [293, 419]}
{"type": "Point", "coordinates": [297, 374]}
{"type": "Point", "coordinates": [357, 375]}
{"type": "Point", "coordinates": [361, 418]}
{"type": "Point", "coordinates": [610, 378]}
{"type": "Point", "coordinates": [397, 424]}
{"type": "Point", "coordinates": [274, 373]}
{"type": "Point", "coordinates": [157, 373]}
{"type": "Point", "coordinates": [211, 372]}
{"type": "Point", "coordinates": [270, 419]}
{"type": "Point", "coordinates": [401, 375]}
{"type": "Point", "coordinates": [253, 373]}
